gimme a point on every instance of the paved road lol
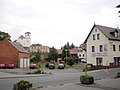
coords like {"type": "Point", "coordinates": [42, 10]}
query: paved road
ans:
{"type": "Point", "coordinates": [59, 77]}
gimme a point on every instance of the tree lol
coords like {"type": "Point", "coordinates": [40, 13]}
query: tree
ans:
{"type": "Point", "coordinates": [53, 55]}
{"type": "Point", "coordinates": [35, 57]}
{"type": "Point", "coordinates": [65, 53]}
{"type": "Point", "coordinates": [72, 46]}
{"type": "Point", "coordinates": [118, 6]}
{"type": "Point", "coordinates": [4, 35]}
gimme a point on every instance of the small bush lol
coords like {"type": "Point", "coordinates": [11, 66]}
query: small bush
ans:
{"type": "Point", "coordinates": [47, 65]}
{"type": "Point", "coordinates": [86, 79]}
{"type": "Point", "coordinates": [88, 69]}
{"type": "Point", "coordinates": [22, 85]}
{"type": "Point", "coordinates": [22, 82]}
{"type": "Point", "coordinates": [37, 72]}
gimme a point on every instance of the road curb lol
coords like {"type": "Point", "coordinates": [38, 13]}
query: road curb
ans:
{"type": "Point", "coordinates": [24, 76]}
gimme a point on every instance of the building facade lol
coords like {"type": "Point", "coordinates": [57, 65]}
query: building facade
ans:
{"type": "Point", "coordinates": [25, 40]}
{"type": "Point", "coordinates": [82, 53]}
{"type": "Point", "coordinates": [103, 46]}
{"type": "Point", "coordinates": [11, 53]}
{"type": "Point", "coordinates": [40, 48]}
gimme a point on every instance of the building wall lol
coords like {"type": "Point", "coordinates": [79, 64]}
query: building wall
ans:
{"type": "Point", "coordinates": [8, 53]}
{"type": "Point", "coordinates": [82, 54]}
{"type": "Point", "coordinates": [91, 56]}
{"type": "Point", "coordinates": [39, 47]}
{"type": "Point", "coordinates": [25, 60]}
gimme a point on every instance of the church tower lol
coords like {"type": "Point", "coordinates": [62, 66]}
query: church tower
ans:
{"type": "Point", "coordinates": [27, 39]}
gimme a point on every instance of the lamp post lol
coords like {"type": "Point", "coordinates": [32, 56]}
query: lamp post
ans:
{"type": "Point", "coordinates": [66, 56]}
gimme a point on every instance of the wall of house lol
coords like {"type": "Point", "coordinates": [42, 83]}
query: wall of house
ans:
{"type": "Point", "coordinates": [24, 60]}
{"type": "Point", "coordinates": [112, 53]}
{"type": "Point", "coordinates": [26, 41]}
{"type": "Point", "coordinates": [91, 56]}
{"type": "Point", "coordinates": [8, 53]}
{"type": "Point", "coordinates": [82, 54]}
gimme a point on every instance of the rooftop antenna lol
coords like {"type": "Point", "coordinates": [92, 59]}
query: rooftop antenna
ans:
{"type": "Point", "coordinates": [117, 26]}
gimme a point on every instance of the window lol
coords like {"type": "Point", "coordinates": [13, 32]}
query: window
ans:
{"type": "Point", "coordinates": [80, 55]}
{"type": "Point", "coordinates": [94, 37]}
{"type": "Point", "coordinates": [114, 49]}
{"type": "Point", "coordinates": [95, 30]}
{"type": "Point", "coordinates": [83, 55]}
{"type": "Point", "coordinates": [93, 48]}
{"type": "Point", "coordinates": [101, 48]}
{"type": "Point", "coordinates": [98, 36]}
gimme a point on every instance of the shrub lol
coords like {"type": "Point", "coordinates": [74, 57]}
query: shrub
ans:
{"type": "Point", "coordinates": [37, 72]}
{"type": "Point", "coordinates": [22, 85]}
{"type": "Point", "coordinates": [87, 69]}
{"type": "Point", "coordinates": [47, 65]}
{"type": "Point", "coordinates": [22, 82]}
{"type": "Point", "coordinates": [86, 79]}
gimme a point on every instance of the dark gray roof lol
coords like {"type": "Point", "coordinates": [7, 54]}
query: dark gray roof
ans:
{"type": "Point", "coordinates": [107, 32]}
{"type": "Point", "coordinates": [19, 47]}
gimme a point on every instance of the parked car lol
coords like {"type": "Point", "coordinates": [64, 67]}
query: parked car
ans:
{"type": "Point", "coordinates": [33, 66]}
{"type": "Point", "coordinates": [3, 66]}
{"type": "Point", "coordinates": [11, 66]}
{"type": "Point", "coordinates": [51, 66]}
{"type": "Point", "coordinates": [61, 66]}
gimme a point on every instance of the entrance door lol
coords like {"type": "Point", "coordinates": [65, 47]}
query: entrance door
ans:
{"type": "Point", "coordinates": [21, 63]}
{"type": "Point", "coordinates": [99, 61]}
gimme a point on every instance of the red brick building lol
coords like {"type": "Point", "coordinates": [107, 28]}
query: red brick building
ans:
{"type": "Point", "coordinates": [11, 53]}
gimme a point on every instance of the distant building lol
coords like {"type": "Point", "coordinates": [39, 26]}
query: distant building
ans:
{"type": "Point", "coordinates": [103, 46]}
{"type": "Point", "coordinates": [12, 53]}
{"type": "Point", "coordinates": [25, 41]}
{"type": "Point", "coordinates": [73, 52]}
{"type": "Point", "coordinates": [39, 47]}
{"type": "Point", "coordinates": [42, 49]}
{"type": "Point", "coordinates": [82, 53]}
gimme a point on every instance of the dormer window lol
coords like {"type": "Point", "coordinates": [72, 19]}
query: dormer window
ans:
{"type": "Point", "coordinates": [115, 33]}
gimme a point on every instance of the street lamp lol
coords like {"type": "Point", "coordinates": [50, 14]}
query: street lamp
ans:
{"type": "Point", "coordinates": [66, 56]}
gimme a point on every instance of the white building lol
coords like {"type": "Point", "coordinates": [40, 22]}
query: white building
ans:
{"type": "Point", "coordinates": [103, 46]}
{"type": "Point", "coordinates": [82, 53]}
{"type": "Point", "coordinates": [25, 40]}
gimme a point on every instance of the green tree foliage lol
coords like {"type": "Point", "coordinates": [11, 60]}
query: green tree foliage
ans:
{"type": "Point", "coordinates": [52, 55]}
{"type": "Point", "coordinates": [35, 57]}
{"type": "Point", "coordinates": [65, 53]}
{"type": "Point", "coordinates": [71, 61]}
{"type": "Point", "coordinates": [4, 35]}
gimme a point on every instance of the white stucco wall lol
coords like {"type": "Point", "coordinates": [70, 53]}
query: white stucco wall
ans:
{"type": "Point", "coordinates": [91, 56]}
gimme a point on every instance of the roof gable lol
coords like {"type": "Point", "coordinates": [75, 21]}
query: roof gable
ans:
{"type": "Point", "coordinates": [106, 31]}
{"type": "Point", "coordinates": [18, 47]}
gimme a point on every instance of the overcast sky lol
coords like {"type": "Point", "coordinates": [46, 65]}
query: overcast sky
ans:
{"type": "Point", "coordinates": [56, 22]}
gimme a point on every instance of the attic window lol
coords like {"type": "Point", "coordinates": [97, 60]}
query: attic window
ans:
{"type": "Point", "coordinates": [95, 30]}
{"type": "Point", "coordinates": [94, 37]}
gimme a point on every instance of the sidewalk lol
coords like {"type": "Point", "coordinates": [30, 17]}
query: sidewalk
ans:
{"type": "Point", "coordinates": [104, 84]}
{"type": "Point", "coordinates": [9, 75]}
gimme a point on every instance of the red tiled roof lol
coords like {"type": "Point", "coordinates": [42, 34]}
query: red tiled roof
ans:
{"type": "Point", "coordinates": [22, 37]}
{"type": "Point", "coordinates": [59, 51]}
{"type": "Point", "coordinates": [72, 51]}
